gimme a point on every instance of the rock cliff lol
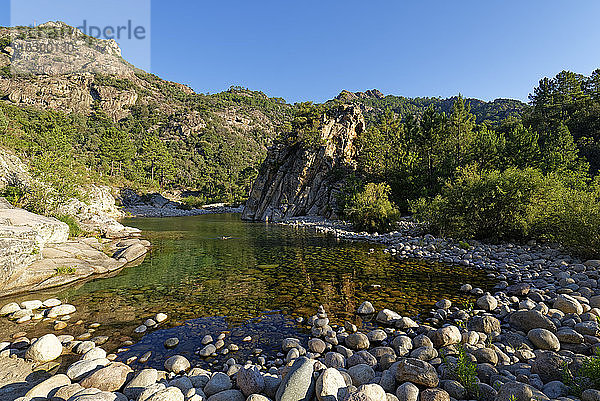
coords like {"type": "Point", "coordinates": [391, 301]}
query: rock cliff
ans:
{"type": "Point", "coordinates": [302, 181]}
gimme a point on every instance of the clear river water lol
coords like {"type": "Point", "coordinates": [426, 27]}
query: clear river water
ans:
{"type": "Point", "coordinates": [214, 273]}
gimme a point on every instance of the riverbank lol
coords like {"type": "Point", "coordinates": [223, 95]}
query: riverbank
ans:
{"type": "Point", "coordinates": [38, 252]}
{"type": "Point", "coordinates": [510, 344]}
{"type": "Point", "coordinates": [175, 210]}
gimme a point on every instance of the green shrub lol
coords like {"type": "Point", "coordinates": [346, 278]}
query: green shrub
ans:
{"type": "Point", "coordinates": [15, 194]}
{"type": "Point", "coordinates": [587, 376]}
{"type": "Point", "coordinates": [193, 202]}
{"type": "Point", "coordinates": [371, 210]}
{"type": "Point", "coordinates": [463, 371]}
{"type": "Point", "coordinates": [74, 229]}
{"type": "Point", "coordinates": [516, 204]}
{"type": "Point", "coordinates": [65, 270]}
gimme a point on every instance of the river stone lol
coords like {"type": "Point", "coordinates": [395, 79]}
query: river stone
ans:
{"type": "Point", "coordinates": [434, 394]}
{"type": "Point", "coordinates": [362, 357]}
{"type": "Point", "coordinates": [93, 394]}
{"type": "Point", "coordinates": [555, 389]}
{"type": "Point", "coordinates": [94, 353]}
{"type": "Point", "coordinates": [544, 339]}
{"type": "Point", "coordinates": [299, 383]}
{"type": "Point", "coordinates": [568, 304]}
{"type": "Point", "coordinates": [80, 369]}
{"type": "Point", "coordinates": [167, 394]}
{"type": "Point", "coordinates": [83, 347]}
{"type": "Point", "coordinates": [417, 372]}
{"type": "Point", "coordinates": [228, 395]}
{"type": "Point", "coordinates": [368, 392]}
{"type": "Point", "coordinates": [51, 303]}
{"type": "Point", "coordinates": [405, 323]}
{"type": "Point", "coordinates": [357, 341]}
{"type": "Point", "coordinates": [445, 336]}
{"type": "Point", "coordinates": [486, 355]}
{"type": "Point", "coordinates": [9, 309]}
{"type": "Point", "coordinates": [455, 389]}
{"type": "Point", "coordinates": [334, 360]}
{"type": "Point", "coordinates": [569, 336]}
{"type": "Point", "coordinates": [487, 302]}
{"type": "Point", "coordinates": [366, 308]}
{"type": "Point", "coordinates": [183, 383]}
{"type": "Point", "coordinates": [514, 391]}
{"type": "Point", "coordinates": [61, 310]}
{"type": "Point", "coordinates": [590, 395]}
{"type": "Point", "coordinates": [249, 380]}
{"type": "Point", "coordinates": [45, 349]}
{"type": "Point", "coordinates": [177, 364]}
{"type": "Point", "coordinates": [207, 351]}
{"type": "Point", "coordinates": [109, 378]}
{"type": "Point", "coordinates": [407, 392]}
{"type": "Point", "coordinates": [531, 319]}
{"type": "Point", "coordinates": [31, 305]}
{"type": "Point", "coordinates": [48, 387]}
{"type": "Point", "coordinates": [142, 379]}
{"type": "Point", "coordinates": [316, 345]}
{"type": "Point", "coordinates": [150, 391]}
{"type": "Point", "coordinates": [484, 324]}
{"type": "Point", "coordinates": [257, 397]}
{"type": "Point", "coordinates": [387, 316]}
{"type": "Point", "coordinates": [548, 365]}
{"type": "Point", "coordinates": [589, 328]}
{"type": "Point", "coordinates": [218, 382]}
{"type": "Point", "coordinates": [66, 392]}
{"type": "Point", "coordinates": [361, 374]}
{"type": "Point", "coordinates": [331, 386]}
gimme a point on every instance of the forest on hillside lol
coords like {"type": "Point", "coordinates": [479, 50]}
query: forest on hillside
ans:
{"type": "Point", "coordinates": [528, 176]}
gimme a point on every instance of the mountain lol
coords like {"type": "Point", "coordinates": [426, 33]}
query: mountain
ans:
{"type": "Point", "coordinates": [374, 103]}
{"type": "Point", "coordinates": [175, 138]}
{"type": "Point", "coordinates": [88, 116]}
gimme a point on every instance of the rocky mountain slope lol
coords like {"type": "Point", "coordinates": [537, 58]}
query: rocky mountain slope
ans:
{"type": "Point", "coordinates": [297, 180]}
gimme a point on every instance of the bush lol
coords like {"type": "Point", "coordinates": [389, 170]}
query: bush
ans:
{"type": "Point", "coordinates": [516, 204]}
{"type": "Point", "coordinates": [463, 371]}
{"type": "Point", "coordinates": [587, 376]}
{"type": "Point", "coordinates": [371, 210]}
{"type": "Point", "coordinates": [74, 229]}
{"type": "Point", "coordinates": [193, 202]}
{"type": "Point", "coordinates": [14, 194]}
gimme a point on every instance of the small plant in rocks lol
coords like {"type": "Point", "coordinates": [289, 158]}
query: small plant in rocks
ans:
{"type": "Point", "coordinates": [65, 270]}
{"type": "Point", "coordinates": [463, 371]}
{"type": "Point", "coordinates": [587, 376]}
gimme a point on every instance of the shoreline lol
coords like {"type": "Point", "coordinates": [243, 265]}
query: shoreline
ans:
{"type": "Point", "coordinates": [543, 313]}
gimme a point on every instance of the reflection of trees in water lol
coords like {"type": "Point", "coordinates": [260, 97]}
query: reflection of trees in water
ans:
{"type": "Point", "coordinates": [192, 273]}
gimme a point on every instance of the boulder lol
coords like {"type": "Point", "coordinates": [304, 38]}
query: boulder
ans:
{"type": "Point", "coordinates": [418, 372]}
{"type": "Point", "coordinates": [445, 336]}
{"type": "Point", "coordinates": [568, 304]}
{"type": "Point", "coordinates": [48, 387]}
{"type": "Point", "coordinates": [109, 378]}
{"type": "Point", "coordinates": [250, 380]}
{"type": "Point", "coordinates": [45, 349]}
{"type": "Point", "coordinates": [531, 319]}
{"type": "Point", "coordinates": [299, 383]}
{"type": "Point", "coordinates": [331, 386]}
{"type": "Point", "coordinates": [543, 339]}
{"type": "Point", "coordinates": [218, 382]}
{"type": "Point", "coordinates": [177, 364]}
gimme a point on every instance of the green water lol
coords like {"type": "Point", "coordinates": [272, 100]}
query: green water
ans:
{"type": "Point", "coordinates": [193, 272]}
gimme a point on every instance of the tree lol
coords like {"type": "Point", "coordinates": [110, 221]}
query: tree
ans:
{"type": "Point", "coordinates": [116, 148]}
{"type": "Point", "coordinates": [156, 159]}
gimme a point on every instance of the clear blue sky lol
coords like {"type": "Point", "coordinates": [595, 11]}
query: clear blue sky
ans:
{"type": "Point", "coordinates": [310, 50]}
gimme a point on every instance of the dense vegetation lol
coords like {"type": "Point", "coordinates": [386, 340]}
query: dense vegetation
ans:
{"type": "Point", "coordinates": [150, 149]}
{"type": "Point", "coordinates": [519, 178]}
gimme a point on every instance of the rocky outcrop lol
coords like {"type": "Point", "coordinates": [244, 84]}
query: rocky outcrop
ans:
{"type": "Point", "coordinates": [370, 94]}
{"type": "Point", "coordinates": [35, 253]}
{"type": "Point", "coordinates": [296, 180]}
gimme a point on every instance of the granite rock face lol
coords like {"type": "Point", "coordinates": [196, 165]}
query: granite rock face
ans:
{"type": "Point", "coordinates": [297, 181]}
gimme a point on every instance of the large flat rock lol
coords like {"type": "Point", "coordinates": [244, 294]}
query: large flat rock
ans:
{"type": "Point", "coordinates": [48, 229]}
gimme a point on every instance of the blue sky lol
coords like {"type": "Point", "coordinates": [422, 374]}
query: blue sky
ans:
{"type": "Point", "coordinates": [311, 50]}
